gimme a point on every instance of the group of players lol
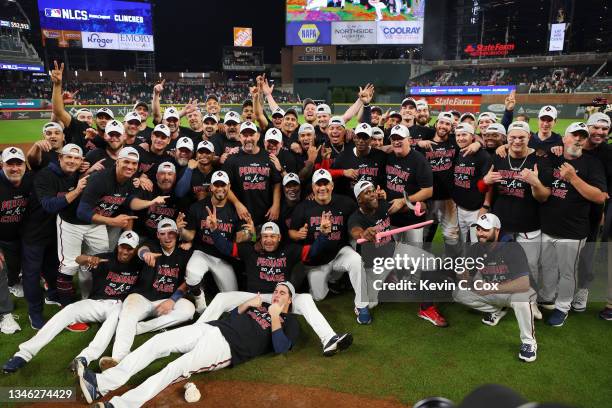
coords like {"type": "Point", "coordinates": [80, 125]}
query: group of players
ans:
{"type": "Point", "coordinates": [142, 214]}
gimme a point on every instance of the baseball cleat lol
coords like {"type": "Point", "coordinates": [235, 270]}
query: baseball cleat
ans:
{"type": "Point", "coordinates": [579, 303]}
{"type": "Point", "coordinates": [527, 353]}
{"type": "Point", "coordinates": [606, 313]}
{"type": "Point", "coordinates": [363, 315]}
{"type": "Point", "coordinates": [433, 315]}
{"type": "Point", "coordinates": [107, 362]}
{"type": "Point", "coordinates": [535, 311]}
{"type": "Point", "coordinates": [36, 321]}
{"type": "Point", "coordinates": [50, 300]}
{"type": "Point", "coordinates": [14, 364]}
{"type": "Point", "coordinates": [16, 290]}
{"type": "Point", "coordinates": [78, 327]}
{"type": "Point", "coordinates": [78, 366]}
{"type": "Point", "coordinates": [200, 303]}
{"type": "Point", "coordinates": [557, 318]}
{"type": "Point", "coordinates": [547, 305]}
{"type": "Point", "coordinates": [337, 343]}
{"type": "Point", "coordinates": [491, 319]}
{"type": "Point", "coordinates": [89, 386]}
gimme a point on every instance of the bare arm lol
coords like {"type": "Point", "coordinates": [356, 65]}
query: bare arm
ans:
{"type": "Point", "coordinates": [421, 195]}
{"type": "Point", "coordinates": [155, 103]}
{"type": "Point", "coordinates": [588, 191]}
{"type": "Point", "coordinates": [57, 101]}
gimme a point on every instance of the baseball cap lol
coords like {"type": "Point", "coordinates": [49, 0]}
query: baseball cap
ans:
{"type": "Point", "coordinates": [447, 116]}
{"type": "Point", "coordinates": [467, 115]}
{"type": "Point", "coordinates": [166, 167]}
{"type": "Point", "coordinates": [377, 109]}
{"type": "Point", "coordinates": [409, 101]}
{"type": "Point", "coordinates": [289, 286]}
{"type": "Point", "coordinates": [548, 110]}
{"type": "Point", "coordinates": [171, 112]}
{"type": "Point", "coordinates": [105, 111]}
{"type": "Point", "coordinates": [278, 111]}
{"type": "Point", "coordinates": [519, 125]}
{"type": "Point", "coordinates": [185, 142]}
{"type": "Point", "coordinates": [306, 127]}
{"type": "Point", "coordinates": [464, 127]}
{"type": "Point", "coordinates": [167, 224]}
{"type": "Point", "coordinates": [578, 127]}
{"type": "Point", "coordinates": [274, 134]}
{"type": "Point", "coordinates": [421, 104]}
{"type": "Point", "coordinates": [11, 153]}
{"type": "Point", "coordinates": [396, 114]}
{"type": "Point", "coordinates": [212, 96]}
{"type": "Point", "coordinates": [248, 125]}
{"type": "Point", "coordinates": [488, 221]}
{"type": "Point", "coordinates": [82, 110]}
{"type": "Point", "coordinates": [128, 153]}
{"type": "Point", "coordinates": [400, 130]}
{"type": "Point", "coordinates": [337, 120]}
{"type": "Point", "coordinates": [52, 125]}
{"type": "Point", "coordinates": [271, 228]}
{"type": "Point", "coordinates": [141, 103]}
{"type": "Point", "coordinates": [307, 101]}
{"type": "Point", "coordinates": [456, 113]}
{"type": "Point", "coordinates": [161, 128]}
{"type": "Point", "coordinates": [219, 176]}
{"type": "Point", "coordinates": [208, 116]}
{"type": "Point", "coordinates": [291, 178]}
{"type": "Point", "coordinates": [496, 128]}
{"type": "Point", "coordinates": [129, 238]}
{"type": "Point", "coordinates": [321, 174]}
{"type": "Point", "coordinates": [598, 117]}
{"type": "Point", "coordinates": [132, 116]}
{"type": "Point", "coordinates": [377, 133]}
{"type": "Point", "coordinates": [205, 144]}
{"type": "Point", "coordinates": [324, 108]}
{"type": "Point", "coordinates": [72, 149]}
{"type": "Point", "coordinates": [363, 128]}
{"type": "Point", "coordinates": [361, 186]}
{"type": "Point", "coordinates": [487, 115]}
{"type": "Point", "coordinates": [291, 111]}
{"type": "Point", "coordinates": [232, 116]}
{"type": "Point", "coordinates": [114, 126]}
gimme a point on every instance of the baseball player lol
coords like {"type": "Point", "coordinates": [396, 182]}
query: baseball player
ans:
{"type": "Point", "coordinates": [184, 151]}
{"type": "Point", "coordinates": [292, 195]}
{"type": "Point", "coordinates": [484, 120]}
{"type": "Point", "coordinates": [213, 107]}
{"type": "Point", "coordinates": [505, 264]}
{"type": "Point", "coordinates": [195, 131]}
{"type": "Point", "coordinates": [114, 276]}
{"type": "Point", "coordinates": [309, 110]}
{"type": "Point", "coordinates": [104, 157]}
{"type": "Point", "coordinates": [305, 150]}
{"type": "Point", "coordinates": [248, 113]}
{"type": "Point", "coordinates": [253, 329]}
{"type": "Point", "coordinates": [284, 161]}
{"type": "Point", "coordinates": [545, 138]}
{"type": "Point", "coordinates": [134, 136]}
{"type": "Point", "coordinates": [228, 143]}
{"type": "Point", "coordinates": [338, 257]}
{"type": "Point", "coordinates": [467, 117]}
{"type": "Point", "coordinates": [142, 109]}
{"type": "Point", "coordinates": [494, 137]}
{"type": "Point", "coordinates": [46, 150]}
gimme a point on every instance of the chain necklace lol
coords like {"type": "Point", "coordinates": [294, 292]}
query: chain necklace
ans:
{"type": "Point", "coordinates": [336, 150]}
{"type": "Point", "coordinates": [520, 167]}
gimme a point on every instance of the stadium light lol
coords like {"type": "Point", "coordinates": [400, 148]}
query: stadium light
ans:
{"type": "Point", "coordinates": [100, 74]}
{"type": "Point", "coordinates": [182, 75]}
{"type": "Point", "coordinates": [76, 73]}
{"type": "Point", "coordinates": [145, 74]}
{"type": "Point", "coordinates": [124, 74]}
{"type": "Point", "coordinates": [159, 73]}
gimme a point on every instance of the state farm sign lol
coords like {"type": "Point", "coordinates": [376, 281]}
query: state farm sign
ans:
{"type": "Point", "coordinates": [487, 50]}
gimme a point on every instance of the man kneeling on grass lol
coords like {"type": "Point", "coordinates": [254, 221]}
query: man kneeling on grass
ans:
{"type": "Point", "coordinates": [253, 329]}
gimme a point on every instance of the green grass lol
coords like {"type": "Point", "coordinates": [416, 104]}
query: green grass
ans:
{"type": "Point", "coordinates": [27, 131]}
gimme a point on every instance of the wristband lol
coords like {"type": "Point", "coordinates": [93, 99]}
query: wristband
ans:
{"type": "Point", "coordinates": [142, 251]}
{"type": "Point", "coordinates": [177, 295]}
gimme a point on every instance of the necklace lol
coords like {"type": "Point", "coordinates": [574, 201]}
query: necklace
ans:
{"type": "Point", "coordinates": [336, 150]}
{"type": "Point", "coordinates": [520, 167]}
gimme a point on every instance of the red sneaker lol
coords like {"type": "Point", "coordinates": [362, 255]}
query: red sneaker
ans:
{"type": "Point", "coordinates": [78, 327]}
{"type": "Point", "coordinates": [433, 315]}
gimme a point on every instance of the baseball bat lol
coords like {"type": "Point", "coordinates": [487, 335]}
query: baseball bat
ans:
{"type": "Point", "coordinates": [397, 231]}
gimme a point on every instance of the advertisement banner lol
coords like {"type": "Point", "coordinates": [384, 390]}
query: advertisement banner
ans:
{"type": "Point", "coordinates": [21, 67]}
{"type": "Point", "coordinates": [135, 42]}
{"type": "Point", "coordinates": [308, 33]}
{"type": "Point", "coordinates": [243, 37]}
{"type": "Point", "coordinates": [356, 32]}
{"type": "Point", "coordinates": [400, 32]}
{"type": "Point", "coordinates": [314, 54]}
{"type": "Point", "coordinates": [351, 10]}
{"type": "Point", "coordinates": [459, 103]}
{"type": "Point", "coordinates": [24, 103]}
{"type": "Point", "coordinates": [557, 37]}
{"type": "Point", "coordinates": [104, 41]}
{"type": "Point", "coordinates": [461, 90]}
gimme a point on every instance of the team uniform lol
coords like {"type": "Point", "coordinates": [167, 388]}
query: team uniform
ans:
{"type": "Point", "coordinates": [75, 133]}
{"type": "Point", "coordinates": [371, 167]}
{"type": "Point", "coordinates": [146, 224]}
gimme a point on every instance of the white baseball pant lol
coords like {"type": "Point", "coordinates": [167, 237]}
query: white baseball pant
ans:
{"type": "Point", "coordinates": [203, 347]}
{"type": "Point", "coordinates": [531, 242]}
{"type": "Point", "coordinates": [465, 219]}
{"type": "Point", "coordinates": [137, 308]}
{"type": "Point", "coordinates": [495, 302]}
{"type": "Point", "coordinates": [201, 263]}
{"type": "Point", "coordinates": [560, 258]}
{"type": "Point", "coordinates": [445, 213]}
{"type": "Point", "coordinates": [87, 311]}
{"type": "Point", "coordinates": [301, 304]}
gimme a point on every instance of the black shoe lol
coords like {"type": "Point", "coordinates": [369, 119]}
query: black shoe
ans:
{"type": "Point", "coordinates": [337, 343]}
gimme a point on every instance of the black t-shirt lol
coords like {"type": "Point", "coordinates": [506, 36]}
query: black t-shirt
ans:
{"type": "Point", "coordinates": [410, 174]}
{"type": "Point", "coordinates": [222, 144]}
{"type": "Point", "coordinates": [149, 162]}
{"type": "Point", "coordinates": [200, 183]}
{"type": "Point", "coordinates": [542, 147]}
{"type": "Point", "coordinates": [309, 212]}
{"type": "Point", "coordinates": [196, 137]}
{"type": "Point", "coordinates": [106, 196]}
{"type": "Point", "coordinates": [467, 171]}
{"type": "Point", "coordinates": [45, 158]}
{"type": "Point", "coordinates": [113, 279]}
{"type": "Point", "coordinates": [161, 281]}
{"type": "Point", "coordinates": [371, 168]}
{"type": "Point", "coordinates": [320, 136]}
{"type": "Point", "coordinates": [418, 133]}
{"type": "Point", "coordinates": [284, 220]}
{"type": "Point", "coordinates": [13, 205]}
{"type": "Point", "coordinates": [253, 177]}
{"type": "Point", "coordinates": [97, 154]}
{"type": "Point", "coordinates": [513, 202]}
{"type": "Point", "coordinates": [603, 152]}
{"type": "Point", "coordinates": [75, 133]}
{"type": "Point", "coordinates": [335, 152]}
{"type": "Point", "coordinates": [228, 225]}
{"type": "Point", "coordinates": [505, 261]}
{"type": "Point", "coordinates": [250, 334]}
{"type": "Point", "coordinates": [566, 212]}
{"type": "Point", "coordinates": [381, 222]}
{"type": "Point", "coordinates": [146, 224]}
{"type": "Point", "coordinates": [144, 136]}
{"type": "Point", "coordinates": [441, 159]}
{"type": "Point", "coordinates": [288, 161]}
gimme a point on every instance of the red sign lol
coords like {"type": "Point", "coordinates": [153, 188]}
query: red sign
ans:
{"type": "Point", "coordinates": [461, 103]}
{"type": "Point", "coordinates": [487, 50]}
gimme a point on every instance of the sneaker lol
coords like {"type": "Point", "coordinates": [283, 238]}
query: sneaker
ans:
{"type": "Point", "coordinates": [78, 327]}
{"type": "Point", "coordinates": [557, 318]}
{"type": "Point", "coordinates": [103, 405]}
{"type": "Point", "coordinates": [78, 366]}
{"type": "Point", "coordinates": [8, 325]}
{"type": "Point", "coordinates": [200, 303]}
{"type": "Point", "coordinates": [537, 315]}
{"type": "Point", "coordinates": [337, 343]}
{"type": "Point", "coordinates": [16, 290]}
{"type": "Point", "coordinates": [52, 300]}
{"type": "Point", "coordinates": [491, 319]}
{"type": "Point", "coordinates": [547, 305]}
{"type": "Point", "coordinates": [433, 315]}
{"type": "Point", "coordinates": [14, 364]}
{"type": "Point", "coordinates": [579, 303]}
{"type": "Point", "coordinates": [89, 386]}
{"type": "Point", "coordinates": [107, 362]}
{"type": "Point", "coordinates": [606, 313]}
{"type": "Point", "coordinates": [527, 352]}
{"type": "Point", "coordinates": [363, 315]}
{"type": "Point", "coordinates": [36, 321]}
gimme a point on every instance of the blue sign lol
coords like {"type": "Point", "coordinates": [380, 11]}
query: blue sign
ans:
{"type": "Point", "coordinates": [462, 90]}
{"type": "Point", "coordinates": [308, 33]}
{"type": "Point", "coordinates": [101, 16]}
{"type": "Point", "coordinates": [21, 67]}
{"type": "Point", "coordinates": [23, 103]}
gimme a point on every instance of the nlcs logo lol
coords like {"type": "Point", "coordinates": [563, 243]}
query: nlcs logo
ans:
{"type": "Point", "coordinates": [308, 33]}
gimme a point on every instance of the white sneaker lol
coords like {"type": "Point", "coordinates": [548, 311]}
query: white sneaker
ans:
{"type": "Point", "coordinates": [16, 290]}
{"type": "Point", "coordinates": [491, 319]}
{"type": "Point", "coordinates": [200, 303]}
{"type": "Point", "coordinates": [8, 325]}
{"type": "Point", "coordinates": [537, 315]}
{"type": "Point", "coordinates": [579, 303]}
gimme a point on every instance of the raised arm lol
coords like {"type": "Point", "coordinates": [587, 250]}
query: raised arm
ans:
{"type": "Point", "coordinates": [155, 103]}
{"type": "Point", "coordinates": [57, 100]}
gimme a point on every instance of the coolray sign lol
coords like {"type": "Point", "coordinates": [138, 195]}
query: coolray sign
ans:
{"type": "Point", "coordinates": [461, 90]}
{"type": "Point", "coordinates": [487, 50]}
{"type": "Point", "coordinates": [105, 41]}
{"type": "Point", "coordinates": [557, 37]}
{"type": "Point", "coordinates": [308, 33]}
{"type": "Point", "coordinates": [136, 42]}
{"type": "Point", "coordinates": [356, 32]}
{"type": "Point", "coordinates": [400, 32]}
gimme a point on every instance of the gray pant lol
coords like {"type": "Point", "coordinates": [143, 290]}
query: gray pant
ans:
{"type": "Point", "coordinates": [6, 303]}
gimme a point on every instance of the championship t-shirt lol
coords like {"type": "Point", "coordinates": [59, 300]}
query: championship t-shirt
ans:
{"type": "Point", "coordinates": [161, 281]}
{"type": "Point", "coordinates": [13, 205]}
{"type": "Point", "coordinates": [441, 158]}
{"type": "Point", "coordinates": [502, 262]}
{"type": "Point", "coordinates": [467, 171]}
{"type": "Point", "coordinates": [371, 167]}
{"type": "Point", "coordinates": [113, 279]}
{"type": "Point", "coordinates": [105, 195]}
{"type": "Point", "coordinates": [381, 222]}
